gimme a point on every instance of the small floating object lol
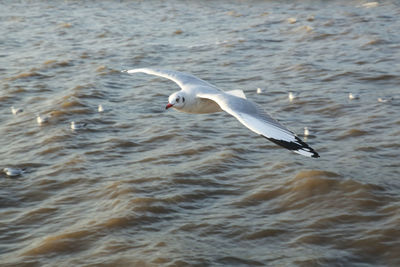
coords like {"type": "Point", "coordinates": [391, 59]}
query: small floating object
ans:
{"type": "Point", "coordinates": [353, 96]}
{"type": "Point", "coordinates": [311, 18]}
{"type": "Point", "coordinates": [100, 108]}
{"type": "Point", "coordinates": [292, 20]}
{"type": "Point", "coordinates": [385, 100]}
{"type": "Point", "coordinates": [178, 32]}
{"type": "Point", "coordinates": [12, 172]}
{"type": "Point", "coordinates": [292, 96]}
{"type": "Point", "coordinates": [15, 111]}
{"type": "Point", "coordinates": [42, 119]}
{"type": "Point", "coordinates": [77, 126]}
{"type": "Point", "coordinates": [306, 131]}
{"type": "Point", "coordinates": [259, 91]}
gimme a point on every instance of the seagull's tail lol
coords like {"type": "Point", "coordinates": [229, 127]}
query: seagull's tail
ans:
{"type": "Point", "coordinates": [297, 146]}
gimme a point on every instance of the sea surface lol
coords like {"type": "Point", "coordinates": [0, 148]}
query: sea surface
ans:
{"type": "Point", "coordinates": [143, 186]}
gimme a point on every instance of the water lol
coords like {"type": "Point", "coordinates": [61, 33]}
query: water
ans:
{"type": "Point", "coordinates": [141, 186]}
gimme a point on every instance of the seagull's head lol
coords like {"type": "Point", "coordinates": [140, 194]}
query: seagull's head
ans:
{"type": "Point", "coordinates": [176, 100]}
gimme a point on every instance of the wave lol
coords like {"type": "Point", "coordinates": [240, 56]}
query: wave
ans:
{"type": "Point", "coordinates": [73, 241]}
{"type": "Point", "coordinates": [316, 187]}
{"type": "Point", "coordinates": [27, 75]}
{"type": "Point", "coordinates": [352, 133]}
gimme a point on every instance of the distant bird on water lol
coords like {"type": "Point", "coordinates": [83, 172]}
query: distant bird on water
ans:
{"type": "Point", "coordinates": [12, 172]}
{"type": "Point", "coordinates": [42, 119]}
{"type": "Point", "coordinates": [353, 96]}
{"type": "Point", "coordinates": [77, 126]}
{"type": "Point", "coordinates": [306, 132]}
{"type": "Point", "coordinates": [15, 111]}
{"type": "Point", "coordinates": [198, 96]}
{"type": "Point", "coordinates": [385, 100]}
{"type": "Point", "coordinates": [292, 96]}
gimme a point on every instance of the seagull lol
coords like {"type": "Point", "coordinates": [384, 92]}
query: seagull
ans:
{"type": "Point", "coordinates": [306, 132]}
{"type": "Point", "coordinates": [199, 97]}
{"type": "Point", "coordinates": [15, 111]}
{"type": "Point", "coordinates": [13, 172]}
{"type": "Point", "coordinates": [42, 119]}
{"type": "Point", "coordinates": [292, 96]}
{"type": "Point", "coordinates": [385, 100]}
{"type": "Point", "coordinates": [77, 126]}
{"type": "Point", "coordinates": [100, 108]}
{"type": "Point", "coordinates": [353, 96]}
{"type": "Point", "coordinates": [259, 90]}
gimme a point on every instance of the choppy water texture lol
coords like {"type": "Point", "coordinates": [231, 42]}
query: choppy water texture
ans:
{"type": "Point", "coordinates": [141, 186]}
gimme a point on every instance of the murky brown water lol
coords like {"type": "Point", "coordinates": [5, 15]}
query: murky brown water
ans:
{"type": "Point", "coordinates": [141, 186]}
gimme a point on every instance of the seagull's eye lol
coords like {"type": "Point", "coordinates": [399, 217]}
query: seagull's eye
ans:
{"type": "Point", "coordinates": [183, 99]}
{"type": "Point", "coordinates": [177, 99]}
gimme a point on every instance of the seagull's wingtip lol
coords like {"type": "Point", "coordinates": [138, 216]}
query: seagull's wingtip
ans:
{"type": "Point", "coordinates": [298, 146]}
{"type": "Point", "coordinates": [308, 152]}
{"type": "Point", "coordinates": [315, 155]}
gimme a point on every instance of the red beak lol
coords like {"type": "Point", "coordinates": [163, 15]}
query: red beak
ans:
{"type": "Point", "coordinates": [168, 106]}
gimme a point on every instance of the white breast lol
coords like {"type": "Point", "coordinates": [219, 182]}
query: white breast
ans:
{"type": "Point", "coordinates": [201, 106]}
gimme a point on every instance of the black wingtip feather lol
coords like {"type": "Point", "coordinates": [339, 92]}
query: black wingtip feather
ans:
{"type": "Point", "coordinates": [315, 155]}
{"type": "Point", "coordinates": [295, 146]}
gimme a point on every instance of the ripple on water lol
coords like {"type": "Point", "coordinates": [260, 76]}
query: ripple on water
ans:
{"type": "Point", "coordinates": [64, 243]}
{"type": "Point", "coordinates": [266, 233]}
{"type": "Point", "coordinates": [28, 75]}
{"type": "Point", "coordinates": [237, 261]}
{"type": "Point", "coordinates": [329, 210]}
{"type": "Point", "coordinates": [54, 150]}
{"type": "Point", "coordinates": [352, 133]}
{"type": "Point", "coordinates": [72, 103]}
{"type": "Point", "coordinates": [120, 143]}
{"type": "Point", "coordinates": [308, 188]}
{"type": "Point", "coordinates": [37, 215]}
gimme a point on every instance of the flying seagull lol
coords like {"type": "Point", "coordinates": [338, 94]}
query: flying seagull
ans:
{"type": "Point", "coordinates": [198, 96]}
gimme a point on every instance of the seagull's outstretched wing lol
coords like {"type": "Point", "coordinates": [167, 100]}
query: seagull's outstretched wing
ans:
{"type": "Point", "coordinates": [245, 111]}
{"type": "Point", "coordinates": [182, 79]}
{"type": "Point", "coordinates": [254, 118]}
